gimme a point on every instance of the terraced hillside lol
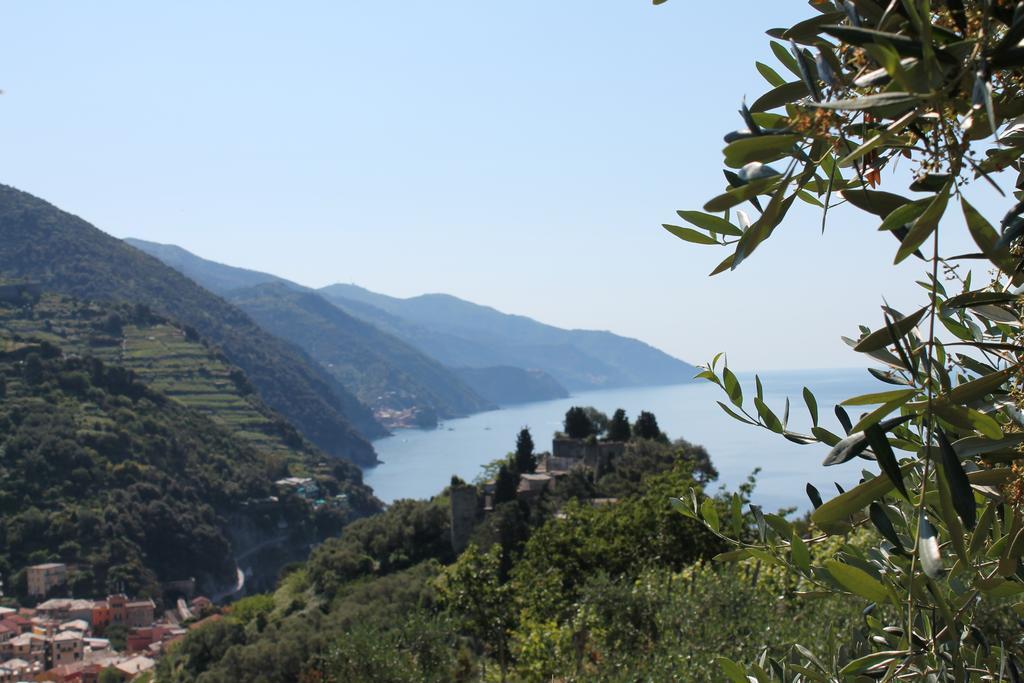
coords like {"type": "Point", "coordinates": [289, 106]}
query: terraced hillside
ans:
{"type": "Point", "coordinates": [169, 359]}
{"type": "Point", "coordinates": [65, 254]}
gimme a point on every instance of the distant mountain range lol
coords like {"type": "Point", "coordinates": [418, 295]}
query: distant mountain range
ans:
{"type": "Point", "coordinates": [403, 385]}
{"type": "Point", "coordinates": [503, 358]}
{"type": "Point", "coordinates": [67, 255]}
{"type": "Point", "coordinates": [383, 371]}
{"type": "Point", "coordinates": [463, 334]}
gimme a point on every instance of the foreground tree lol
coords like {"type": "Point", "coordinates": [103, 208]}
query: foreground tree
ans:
{"type": "Point", "coordinates": [938, 85]}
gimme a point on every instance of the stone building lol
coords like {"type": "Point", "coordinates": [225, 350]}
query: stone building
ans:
{"type": "Point", "coordinates": [42, 578]}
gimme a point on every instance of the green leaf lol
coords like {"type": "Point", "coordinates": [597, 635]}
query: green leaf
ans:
{"type": "Point", "coordinates": [732, 670]}
{"type": "Point", "coordinates": [732, 556]}
{"type": "Point", "coordinates": [798, 551]}
{"type": "Point", "coordinates": [881, 337]}
{"type": "Point", "coordinates": [681, 506]}
{"type": "Point", "coordinates": [982, 386]}
{"type": "Point", "coordinates": [770, 420]}
{"type": "Point", "coordinates": [884, 104]}
{"type": "Point", "coordinates": [854, 500]}
{"type": "Point", "coordinates": [885, 457]}
{"type": "Point", "coordinates": [986, 238]}
{"type": "Point", "coordinates": [863, 37]}
{"type": "Point", "coordinates": [877, 414]}
{"type": "Point", "coordinates": [1011, 557]}
{"type": "Point", "coordinates": [871, 661]}
{"type": "Point", "coordinates": [710, 513]}
{"type": "Point", "coordinates": [978, 298]}
{"type": "Point", "coordinates": [967, 418]}
{"type": "Point", "coordinates": [812, 406]}
{"type": "Point", "coordinates": [925, 225]}
{"type": "Point", "coordinates": [904, 215]}
{"type": "Point", "coordinates": [875, 201]}
{"type": "Point", "coordinates": [737, 195]}
{"type": "Point", "coordinates": [857, 581]}
{"type": "Point", "coordinates": [734, 415]}
{"type": "Point", "coordinates": [780, 96]}
{"type": "Point", "coordinates": [710, 223]}
{"type": "Point", "coordinates": [825, 436]}
{"type": "Point", "coordinates": [884, 525]}
{"type": "Point", "coordinates": [977, 445]}
{"type": "Point", "coordinates": [689, 234]}
{"type": "Point", "coordinates": [725, 265]}
{"type": "Point", "coordinates": [732, 387]}
{"type": "Point", "coordinates": [879, 398]}
{"type": "Point", "coordinates": [765, 225]}
{"type": "Point", "coordinates": [980, 534]}
{"type": "Point", "coordinates": [784, 56]}
{"type": "Point", "coordinates": [763, 148]}
{"type": "Point", "coordinates": [770, 75]}
{"type": "Point", "coordinates": [779, 524]}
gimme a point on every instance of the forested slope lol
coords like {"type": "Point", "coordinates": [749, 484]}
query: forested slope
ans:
{"type": "Point", "coordinates": [39, 242]}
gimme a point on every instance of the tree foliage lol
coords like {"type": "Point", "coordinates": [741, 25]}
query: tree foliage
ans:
{"type": "Point", "coordinates": [646, 427]}
{"type": "Point", "coordinates": [577, 423]}
{"type": "Point", "coordinates": [619, 428]}
{"type": "Point", "coordinates": [525, 459]}
{"type": "Point", "coordinates": [937, 86]}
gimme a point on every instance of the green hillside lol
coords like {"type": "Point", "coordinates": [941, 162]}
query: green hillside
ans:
{"type": "Point", "coordinates": [39, 242]}
{"type": "Point", "coordinates": [400, 383]}
{"type": "Point", "coordinates": [383, 372]}
{"type": "Point", "coordinates": [129, 487]}
{"type": "Point", "coordinates": [168, 359]}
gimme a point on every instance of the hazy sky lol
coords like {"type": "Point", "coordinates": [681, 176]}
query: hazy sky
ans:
{"type": "Point", "coordinates": [519, 154]}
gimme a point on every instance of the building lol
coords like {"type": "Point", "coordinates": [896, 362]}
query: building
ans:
{"type": "Point", "coordinates": [305, 487]}
{"type": "Point", "coordinates": [100, 618]}
{"type": "Point", "coordinates": [42, 578]}
{"type": "Point", "coordinates": [532, 485]}
{"type": "Point", "coordinates": [14, 670]}
{"type": "Point", "coordinates": [131, 668]}
{"type": "Point", "coordinates": [19, 623]}
{"type": "Point", "coordinates": [144, 638]}
{"type": "Point", "coordinates": [122, 612]}
{"type": "Point", "coordinates": [595, 455]}
{"type": "Point", "coordinates": [66, 648]}
{"type": "Point", "coordinates": [27, 646]}
{"type": "Point", "coordinates": [66, 609]}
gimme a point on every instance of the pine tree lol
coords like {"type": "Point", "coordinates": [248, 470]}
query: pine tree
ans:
{"type": "Point", "coordinates": [646, 426]}
{"type": "Point", "coordinates": [618, 427]}
{"type": "Point", "coordinates": [577, 423]}
{"type": "Point", "coordinates": [525, 460]}
{"type": "Point", "coordinates": [505, 484]}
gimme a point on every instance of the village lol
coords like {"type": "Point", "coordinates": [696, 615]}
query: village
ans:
{"type": "Point", "coordinates": [81, 640]}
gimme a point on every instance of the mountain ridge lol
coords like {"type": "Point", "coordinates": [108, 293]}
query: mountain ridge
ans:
{"type": "Point", "coordinates": [384, 372]}
{"type": "Point", "coordinates": [471, 335]}
{"type": "Point", "coordinates": [40, 242]}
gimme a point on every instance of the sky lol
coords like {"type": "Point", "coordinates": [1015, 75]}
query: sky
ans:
{"type": "Point", "coordinates": [521, 155]}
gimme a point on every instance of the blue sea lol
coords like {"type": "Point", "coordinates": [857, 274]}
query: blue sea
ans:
{"type": "Point", "coordinates": [420, 463]}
